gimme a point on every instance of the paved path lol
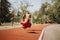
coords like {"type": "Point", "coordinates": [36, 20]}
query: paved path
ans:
{"type": "Point", "coordinates": [51, 33]}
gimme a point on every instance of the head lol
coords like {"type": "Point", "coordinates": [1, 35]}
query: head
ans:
{"type": "Point", "coordinates": [28, 14]}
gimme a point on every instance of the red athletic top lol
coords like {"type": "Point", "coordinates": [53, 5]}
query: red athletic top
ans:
{"type": "Point", "coordinates": [26, 23]}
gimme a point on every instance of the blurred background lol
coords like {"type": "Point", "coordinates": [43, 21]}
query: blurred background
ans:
{"type": "Point", "coordinates": [42, 11]}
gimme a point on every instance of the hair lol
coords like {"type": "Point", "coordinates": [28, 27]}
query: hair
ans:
{"type": "Point", "coordinates": [24, 16]}
{"type": "Point", "coordinates": [29, 13]}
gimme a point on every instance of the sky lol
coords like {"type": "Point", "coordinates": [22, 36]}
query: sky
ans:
{"type": "Point", "coordinates": [36, 4]}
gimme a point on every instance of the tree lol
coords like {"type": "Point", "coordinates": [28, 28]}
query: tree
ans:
{"type": "Point", "coordinates": [42, 14]}
{"type": "Point", "coordinates": [5, 15]}
{"type": "Point", "coordinates": [56, 11]}
{"type": "Point", "coordinates": [22, 9]}
{"type": "Point", "coordinates": [48, 13]}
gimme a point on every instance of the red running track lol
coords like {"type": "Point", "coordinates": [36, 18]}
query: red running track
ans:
{"type": "Point", "coordinates": [32, 33]}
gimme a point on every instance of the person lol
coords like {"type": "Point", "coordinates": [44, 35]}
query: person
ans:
{"type": "Point", "coordinates": [50, 33]}
{"type": "Point", "coordinates": [26, 20]}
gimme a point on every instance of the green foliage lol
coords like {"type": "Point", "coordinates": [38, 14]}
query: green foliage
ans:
{"type": "Point", "coordinates": [22, 11]}
{"type": "Point", "coordinates": [48, 13]}
{"type": "Point", "coordinates": [5, 15]}
{"type": "Point", "coordinates": [56, 11]}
